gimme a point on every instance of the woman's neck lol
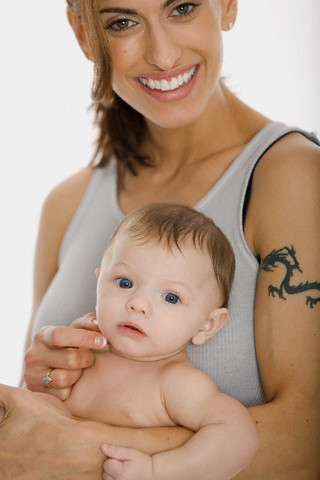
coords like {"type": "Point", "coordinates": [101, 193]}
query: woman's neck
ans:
{"type": "Point", "coordinates": [219, 128]}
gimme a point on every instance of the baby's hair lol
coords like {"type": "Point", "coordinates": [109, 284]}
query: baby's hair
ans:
{"type": "Point", "coordinates": [173, 226]}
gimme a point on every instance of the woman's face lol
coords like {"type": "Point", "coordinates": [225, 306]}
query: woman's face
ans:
{"type": "Point", "coordinates": [166, 55]}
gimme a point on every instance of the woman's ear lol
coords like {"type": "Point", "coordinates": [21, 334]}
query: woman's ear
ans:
{"type": "Point", "coordinates": [230, 11]}
{"type": "Point", "coordinates": [97, 272]}
{"type": "Point", "coordinates": [79, 32]}
{"type": "Point", "coordinates": [211, 326]}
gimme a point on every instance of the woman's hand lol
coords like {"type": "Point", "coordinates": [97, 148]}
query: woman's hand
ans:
{"type": "Point", "coordinates": [66, 351]}
{"type": "Point", "coordinates": [39, 441]}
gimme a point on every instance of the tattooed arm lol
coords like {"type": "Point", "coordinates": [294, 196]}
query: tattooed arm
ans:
{"type": "Point", "coordinates": [282, 229]}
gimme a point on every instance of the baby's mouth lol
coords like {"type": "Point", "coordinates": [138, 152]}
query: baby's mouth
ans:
{"type": "Point", "coordinates": [131, 327]}
{"type": "Point", "coordinates": [168, 85]}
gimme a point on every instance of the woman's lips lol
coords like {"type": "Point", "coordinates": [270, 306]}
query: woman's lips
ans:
{"type": "Point", "coordinates": [171, 88]}
{"type": "Point", "coordinates": [158, 82]}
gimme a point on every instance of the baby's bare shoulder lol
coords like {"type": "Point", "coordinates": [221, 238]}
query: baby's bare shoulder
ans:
{"type": "Point", "coordinates": [180, 376]}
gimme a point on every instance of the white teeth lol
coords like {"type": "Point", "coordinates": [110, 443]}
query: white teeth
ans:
{"type": "Point", "coordinates": [164, 85]}
{"type": "Point", "coordinates": [151, 83]}
{"type": "Point", "coordinates": [174, 84]}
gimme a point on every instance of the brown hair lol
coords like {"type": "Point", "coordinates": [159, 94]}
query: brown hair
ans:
{"type": "Point", "coordinates": [121, 128]}
{"type": "Point", "coordinates": [172, 225]}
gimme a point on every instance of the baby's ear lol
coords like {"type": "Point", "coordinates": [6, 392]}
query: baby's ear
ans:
{"type": "Point", "coordinates": [97, 272]}
{"type": "Point", "coordinates": [211, 326]}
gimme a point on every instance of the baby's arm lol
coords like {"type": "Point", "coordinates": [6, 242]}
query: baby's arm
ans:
{"type": "Point", "coordinates": [225, 441]}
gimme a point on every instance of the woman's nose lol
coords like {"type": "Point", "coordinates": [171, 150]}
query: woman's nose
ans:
{"type": "Point", "coordinates": [162, 48]}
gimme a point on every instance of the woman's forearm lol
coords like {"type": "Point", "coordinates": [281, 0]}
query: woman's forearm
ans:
{"type": "Point", "coordinates": [148, 440]}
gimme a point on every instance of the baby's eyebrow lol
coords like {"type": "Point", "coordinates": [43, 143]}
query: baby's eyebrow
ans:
{"type": "Point", "coordinates": [173, 284]}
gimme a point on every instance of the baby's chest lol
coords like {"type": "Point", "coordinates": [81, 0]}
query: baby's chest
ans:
{"type": "Point", "coordinates": [126, 397]}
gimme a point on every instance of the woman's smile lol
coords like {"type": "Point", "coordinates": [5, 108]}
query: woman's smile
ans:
{"type": "Point", "coordinates": [165, 81]}
{"type": "Point", "coordinates": [169, 89]}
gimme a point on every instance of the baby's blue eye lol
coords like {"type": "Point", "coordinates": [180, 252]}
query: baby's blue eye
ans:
{"type": "Point", "coordinates": [171, 298]}
{"type": "Point", "coordinates": [124, 283]}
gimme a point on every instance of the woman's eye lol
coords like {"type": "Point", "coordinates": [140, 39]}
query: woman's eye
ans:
{"type": "Point", "coordinates": [124, 283]}
{"type": "Point", "coordinates": [120, 25]}
{"type": "Point", "coordinates": [171, 298]}
{"type": "Point", "coordinates": [183, 9]}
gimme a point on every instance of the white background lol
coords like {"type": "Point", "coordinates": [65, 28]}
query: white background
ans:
{"type": "Point", "coordinates": [271, 60]}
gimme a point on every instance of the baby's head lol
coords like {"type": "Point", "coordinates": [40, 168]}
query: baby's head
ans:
{"type": "Point", "coordinates": [164, 281]}
{"type": "Point", "coordinates": [173, 226]}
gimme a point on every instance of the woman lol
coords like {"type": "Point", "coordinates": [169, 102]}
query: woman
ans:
{"type": "Point", "coordinates": [170, 130]}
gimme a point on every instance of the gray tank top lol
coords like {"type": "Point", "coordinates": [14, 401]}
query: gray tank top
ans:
{"type": "Point", "coordinates": [229, 357]}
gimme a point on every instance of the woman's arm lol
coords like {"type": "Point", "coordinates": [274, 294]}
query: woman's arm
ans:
{"type": "Point", "coordinates": [284, 213]}
{"type": "Point", "coordinates": [39, 441]}
{"type": "Point", "coordinates": [57, 212]}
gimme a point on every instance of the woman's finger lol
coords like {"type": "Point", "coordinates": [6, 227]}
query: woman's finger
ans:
{"type": "Point", "coordinates": [88, 322]}
{"type": "Point", "coordinates": [65, 364]}
{"type": "Point", "coordinates": [68, 358]}
{"type": "Point", "coordinates": [54, 337]}
{"type": "Point", "coordinates": [61, 378]}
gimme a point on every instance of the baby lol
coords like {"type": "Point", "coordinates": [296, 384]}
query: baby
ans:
{"type": "Point", "coordinates": [164, 281]}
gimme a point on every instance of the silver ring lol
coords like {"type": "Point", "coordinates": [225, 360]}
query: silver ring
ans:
{"type": "Point", "coordinates": [47, 378]}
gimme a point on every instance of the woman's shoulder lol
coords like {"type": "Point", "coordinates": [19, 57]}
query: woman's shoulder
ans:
{"type": "Point", "coordinates": [61, 204]}
{"type": "Point", "coordinates": [65, 197]}
{"type": "Point", "coordinates": [72, 188]}
{"type": "Point", "coordinates": [291, 160]}
{"type": "Point", "coordinates": [291, 163]}
{"type": "Point", "coordinates": [285, 189]}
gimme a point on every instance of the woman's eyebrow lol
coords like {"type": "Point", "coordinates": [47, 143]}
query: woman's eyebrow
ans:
{"type": "Point", "coordinates": [167, 3]}
{"type": "Point", "coordinates": [130, 11]}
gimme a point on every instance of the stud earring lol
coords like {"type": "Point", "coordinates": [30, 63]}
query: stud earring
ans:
{"type": "Point", "coordinates": [230, 25]}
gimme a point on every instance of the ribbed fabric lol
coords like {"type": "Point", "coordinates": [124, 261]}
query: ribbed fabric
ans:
{"type": "Point", "coordinates": [229, 357]}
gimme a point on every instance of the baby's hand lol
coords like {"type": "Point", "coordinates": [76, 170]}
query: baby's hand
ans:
{"type": "Point", "coordinates": [126, 464]}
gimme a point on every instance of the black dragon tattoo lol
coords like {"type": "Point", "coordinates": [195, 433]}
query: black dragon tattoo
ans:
{"type": "Point", "coordinates": [287, 257]}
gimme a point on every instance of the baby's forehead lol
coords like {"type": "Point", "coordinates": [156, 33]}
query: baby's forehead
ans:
{"type": "Point", "coordinates": [151, 240]}
{"type": "Point", "coordinates": [125, 244]}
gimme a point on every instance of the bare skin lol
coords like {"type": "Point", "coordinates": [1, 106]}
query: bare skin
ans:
{"type": "Point", "coordinates": [280, 213]}
{"type": "Point", "coordinates": [60, 446]}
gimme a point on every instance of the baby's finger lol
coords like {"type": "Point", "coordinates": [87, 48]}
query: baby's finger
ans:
{"type": "Point", "coordinates": [113, 468]}
{"type": "Point", "coordinates": [118, 453]}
